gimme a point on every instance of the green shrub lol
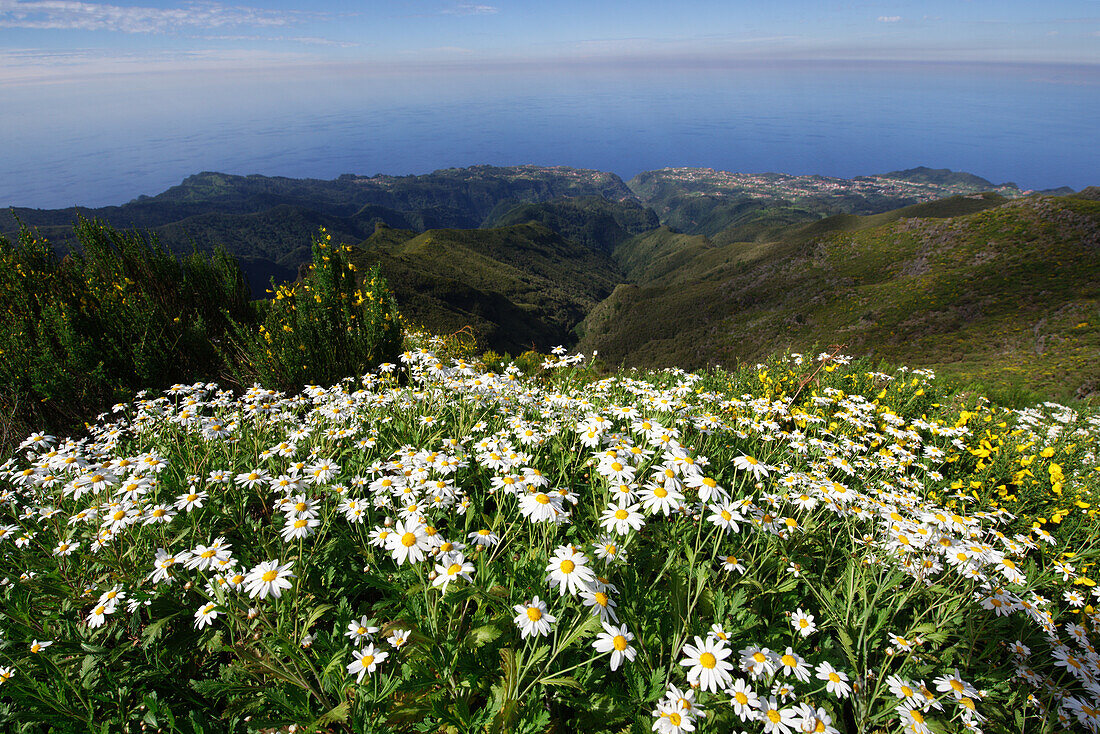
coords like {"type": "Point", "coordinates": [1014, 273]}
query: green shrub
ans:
{"type": "Point", "coordinates": [326, 326]}
{"type": "Point", "coordinates": [119, 314]}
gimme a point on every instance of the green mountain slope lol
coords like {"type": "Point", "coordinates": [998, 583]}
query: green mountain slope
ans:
{"type": "Point", "coordinates": [590, 220]}
{"type": "Point", "coordinates": [943, 177]}
{"type": "Point", "coordinates": [466, 195]}
{"type": "Point", "coordinates": [517, 287]}
{"type": "Point", "coordinates": [1008, 296]}
{"type": "Point", "coordinates": [263, 219]}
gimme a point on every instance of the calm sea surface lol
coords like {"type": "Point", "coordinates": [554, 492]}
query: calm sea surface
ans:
{"type": "Point", "coordinates": [106, 142]}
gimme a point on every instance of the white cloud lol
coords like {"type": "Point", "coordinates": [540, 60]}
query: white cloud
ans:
{"type": "Point", "coordinates": [76, 15]}
{"type": "Point", "coordinates": [36, 66]}
{"type": "Point", "coordinates": [470, 9]}
{"type": "Point", "coordinates": [310, 40]}
{"type": "Point", "coordinates": [889, 18]}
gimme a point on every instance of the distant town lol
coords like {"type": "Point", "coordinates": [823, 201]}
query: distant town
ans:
{"type": "Point", "coordinates": [707, 181]}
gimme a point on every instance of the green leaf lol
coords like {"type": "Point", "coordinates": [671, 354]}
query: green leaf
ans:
{"type": "Point", "coordinates": [316, 613]}
{"type": "Point", "coordinates": [155, 629]}
{"type": "Point", "coordinates": [483, 635]}
{"type": "Point", "coordinates": [590, 627]}
{"type": "Point", "coordinates": [561, 680]}
{"type": "Point", "coordinates": [338, 713]}
{"type": "Point", "coordinates": [508, 666]}
{"type": "Point", "coordinates": [849, 648]}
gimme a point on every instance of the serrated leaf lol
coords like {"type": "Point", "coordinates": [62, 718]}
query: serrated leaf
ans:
{"type": "Point", "coordinates": [338, 713]}
{"type": "Point", "coordinates": [591, 626]}
{"type": "Point", "coordinates": [155, 629]}
{"type": "Point", "coordinates": [508, 666]}
{"type": "Point", "coordinates": [316, 613]}
{"type": "Point", "coordinates": [848, 647]}
{"type": "Point", "coordinates": [561, 680]}
{"type": "Point", "coordinates": [483, 635]}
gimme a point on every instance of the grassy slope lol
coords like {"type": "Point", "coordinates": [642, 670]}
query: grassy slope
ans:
{"type": "Point", "coordinates": [592, 221]}
{"type": "Point", "coordinates": [516, 287]}
{"type": "Point", "coordinates": [1007, 296]}
{"type": "Point", "coordinates": [268, 221]}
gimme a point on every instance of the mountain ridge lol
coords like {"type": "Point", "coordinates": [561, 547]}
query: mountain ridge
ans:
{"type": "Point", "coordinates": [684, 266]}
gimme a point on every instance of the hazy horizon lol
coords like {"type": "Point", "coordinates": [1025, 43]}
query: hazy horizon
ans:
{"type": "Point", "coordinates": [45, 39]}
{"type": "Point", "coordinates": [108, 101]}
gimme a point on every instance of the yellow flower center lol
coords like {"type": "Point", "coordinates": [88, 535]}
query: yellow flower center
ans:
{"type": "Point", "coordinates": [453, 569]}
{"type": "Point", "coordinates": [208, 553]}
{"type": "Point", "coordinates": [660, 492]}
{"type": "Point", "coordinates": [366, 661]}
{"type": "Point", "coordinates": [707, 660]}
{"type": "Point", "coordinates": [773, 716]}
{"type": "Point", "coordinates": [726, 516]}
{"type": "Point", "coordinates": [601, 598]}
{"type": "Point", "coordinates": [621, 514]}
{"type": "Point", "coordinates": [300, 523]}
{"type": "Point", "coordinates": [759, 657]}
{"type": "Point", "coordinates": [270, 576]}
{"type": "Point", "coordinates": [674, 719]}
{"type": "Point", "coordinates": [542, 499]}
{"type": "Point", "coordinates": [619, 643]}
{"type": "Point", "coordinates": [567, 566]}
{"type": "Point", "coordinates": [741, 698]}
{"type": "Point", "coordinates": [788, 661]}
{"type": "Point", "coordinates": [534, 614]}
{"type": "Point", "coordinates": [408, 540]}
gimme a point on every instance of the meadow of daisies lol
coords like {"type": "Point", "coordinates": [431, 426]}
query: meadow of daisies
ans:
{"type": "Point", "coordinates": [807, 545]}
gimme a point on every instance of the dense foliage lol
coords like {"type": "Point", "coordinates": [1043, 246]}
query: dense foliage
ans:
{"type": "Point", "coordinates": [326, 325]}
{"type": "Point", "coordinates": [81, 332]}
{"type": "Point", "coordinates": [803, 545]}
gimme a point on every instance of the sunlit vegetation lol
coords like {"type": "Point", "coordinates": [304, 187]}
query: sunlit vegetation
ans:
{"type": "Point", "coordinates": [803, 544]}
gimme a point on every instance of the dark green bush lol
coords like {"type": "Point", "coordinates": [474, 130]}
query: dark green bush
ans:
{"type": "Point", "coordinates": [119, 314]}
{"type": "Point", "coordinates": [326, 326]}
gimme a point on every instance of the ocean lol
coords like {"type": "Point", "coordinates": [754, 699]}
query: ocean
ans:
{"type": "Point", "coordinates": [105, 141]}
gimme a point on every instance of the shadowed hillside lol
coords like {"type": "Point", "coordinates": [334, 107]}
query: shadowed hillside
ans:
{"type": "Point", "coordinates": [1008, 295]}
{"type": "Point", "coordinates": [517, 287]}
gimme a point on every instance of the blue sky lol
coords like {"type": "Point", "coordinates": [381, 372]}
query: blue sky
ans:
{"type": "Point", "coordinates": [72, 39]}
